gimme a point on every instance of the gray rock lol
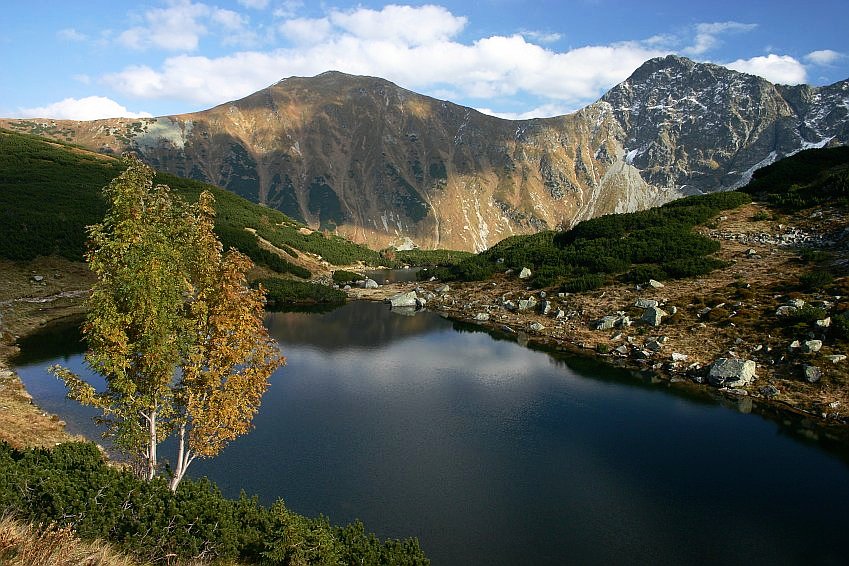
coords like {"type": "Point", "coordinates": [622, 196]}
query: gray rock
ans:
{"type": "Point", "coordinates": [442, 289]}
{"type": "Point", "coordinates": [798, 303]}
{"type": "Point", "coordinates": [769, 391]}
{"type": "Point", "coordinates": [482, 316]}
{"type": "Point", "coordinates": [656, 284]}
{"type": "Point", "coordinates": [732, 372]}
{"type": "Point", "coordinates": [525, 273]}
{"type": "Point", "coordinates": [703, 312]}
{"type": "Point", "coordinates": [812, 345]}
{"type": "Point", "coordinates": [835, 358]}
{"type": "Point", "coordinates": [824, 323]}
{"type": "Point", "coordinates": [653, 316]}
{"type": "Point", "coordinates": [621, 349]}
{"type": "Point", "coordinates": [527, 304]}
{"type": "Point", "coordinates": [370, 284]}
{"type": "Point", "coordinates": [677, 357]}
{"type": "Point", "coordinates": [794, 345]}
{"type": "Point", "coordinates": [420, 302]}
{"type": "Point", "coordinates": [653, 345]}
{"type": "Point", "coordinates": [606, 323]}
{"type": "Point", "coordinates": [812, 373]}
{"type": "Point", "coordinates": [645, 303]}
{"type": "Point", "coordinates": [560, 314]}
{"type": "Point", "coordinates": [623, 322]}
{"type": "Point", "coordinates": [407, 299]}
{"type": "Point", "coordinates": [38, 278]}
{"type": "Point", "coordinates": [545, 307]}
{"type": "Point", "coordinates": [536, 327]}
{"type": "Point", "coordinates": [786, 310]}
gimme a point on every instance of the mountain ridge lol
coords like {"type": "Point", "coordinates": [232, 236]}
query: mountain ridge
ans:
{"type": "Point", "coordinates": [384, 165]}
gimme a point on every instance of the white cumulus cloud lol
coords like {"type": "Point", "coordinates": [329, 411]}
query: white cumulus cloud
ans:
{"type": "Point", "coordinates": [88, 108]}
{"type": "Point", "coordinates": [779, 69]}
{"type": "Point", "coordinates": [181, 25]}
{"type": "Point", "coordinates": [306, 31]}
{"type": "Point", "coordinates": [823, 57]}
{"type": "Point", "coordinates": [707, 35]}
{"type": "Point", "coordinates": [415, 47]}
{"type": "Point", "coordinates": [405, 25]}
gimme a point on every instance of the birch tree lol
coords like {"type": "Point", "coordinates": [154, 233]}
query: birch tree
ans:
{"type": "Point", "coordinates": [172, 326]}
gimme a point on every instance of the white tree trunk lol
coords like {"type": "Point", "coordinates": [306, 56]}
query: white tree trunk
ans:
{"type": "Point", "coordinates": [152, 442]}
{"type": "Point", "coordinates": [184, 458]}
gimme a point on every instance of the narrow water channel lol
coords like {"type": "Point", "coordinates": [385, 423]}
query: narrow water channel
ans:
{"type": "Point", "coordinates": [492, 453]}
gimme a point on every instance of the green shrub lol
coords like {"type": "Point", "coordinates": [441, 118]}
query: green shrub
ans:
{"type": "Point", "coordinates": [281, 293]}
{"type": "Point", "coordinates": [72, 485]}
{"type": "Point", "coordinates": [812, 255]}
{"type": "Point", "coordinates": [429, 258]}
{"type": "Point", "coordinates": [840, 325]}
{"type": "Point", "coordinates": [642, 273]}
{"type": "Point", "coordinates": [584, 283]}
{"type": "Point", "coordinates": [342, 277]}
{"type": "Point", "coordinates": [807, 314]}
{"type": "Point", "coordinates": [815, 280]}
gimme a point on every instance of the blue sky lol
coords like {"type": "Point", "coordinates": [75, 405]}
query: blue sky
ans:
{"type": "Point", "coordinates": [88, 59]}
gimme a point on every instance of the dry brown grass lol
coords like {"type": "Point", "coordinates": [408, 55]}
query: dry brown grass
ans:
{"type": "Point", "coordinates": [22, 544]}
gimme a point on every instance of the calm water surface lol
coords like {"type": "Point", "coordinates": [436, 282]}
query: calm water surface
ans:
{"type": "Point", "coordinates": [491, 453]}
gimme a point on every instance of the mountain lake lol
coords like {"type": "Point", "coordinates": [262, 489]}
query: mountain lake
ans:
{"type": "Point", "coordinates": [493, 453]}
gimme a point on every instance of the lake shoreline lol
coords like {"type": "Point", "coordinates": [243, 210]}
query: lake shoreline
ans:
{"type": "Point", "coordinates": [35, 305]}
{"type": "Point", "coordinates": [464, 301]}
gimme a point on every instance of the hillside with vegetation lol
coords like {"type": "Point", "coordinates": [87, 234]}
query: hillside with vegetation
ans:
{"type": "Point", "coordinates": [658, 243]}
{"type": "Point", "coordinates": [50, 191]}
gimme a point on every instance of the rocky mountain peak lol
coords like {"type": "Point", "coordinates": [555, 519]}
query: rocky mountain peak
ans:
{"type": "Point", "coordinates": [387, 166]}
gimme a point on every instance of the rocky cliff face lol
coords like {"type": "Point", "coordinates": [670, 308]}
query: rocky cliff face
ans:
{"type": "Point", "coordinates": [386, 166]}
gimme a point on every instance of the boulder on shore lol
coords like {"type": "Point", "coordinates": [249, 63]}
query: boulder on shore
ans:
{"type": "Point", "coordinates": [525, 273]}
{"type": "Point", "coordinates": [732, 372]}
{"type": "Point", "coordinates": [407, 299]}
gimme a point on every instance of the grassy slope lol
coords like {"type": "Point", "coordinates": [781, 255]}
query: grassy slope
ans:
{"type": "Point", "coordinates": [50, 191]}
